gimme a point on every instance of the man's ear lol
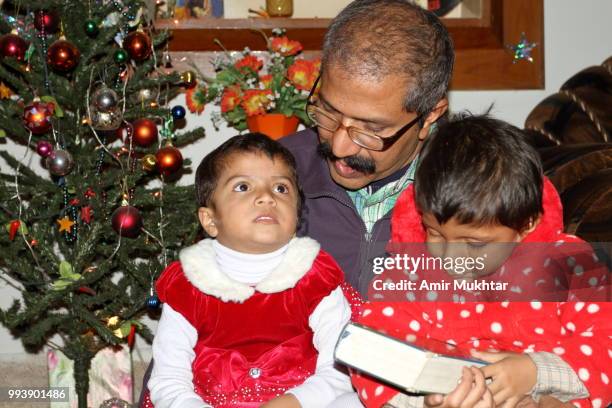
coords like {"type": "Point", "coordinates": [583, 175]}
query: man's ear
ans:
{"type": "Point", "coordinates": [207, 220]}
{"type": "Point", "coordinates": [530, 228]}
{"type": "Point", "coordinates": [431, 118]}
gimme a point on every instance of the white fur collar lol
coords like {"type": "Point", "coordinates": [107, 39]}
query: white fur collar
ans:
{"type": "Point", "coordinates": [200, 267]}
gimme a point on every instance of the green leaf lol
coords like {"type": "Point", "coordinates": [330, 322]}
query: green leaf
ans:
{"type": "Point", "coordinates": [60, 284]}
{"type": "Point", "coordinates": [125, 327]}
{"type": "Point", "coordinates": [67, 273]}
{"type": "Point", "coordinates": [65, 268]}
{"type": "Point", "coordinates": [2, 133]}
{"type": "Point", "coordinates": [58, 112]}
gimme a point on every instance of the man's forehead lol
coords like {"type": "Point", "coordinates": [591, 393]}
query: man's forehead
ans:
{"type": "Point", "coordinates": [363, 97]}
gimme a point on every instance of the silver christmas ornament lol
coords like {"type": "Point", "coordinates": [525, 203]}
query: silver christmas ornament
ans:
{"type": "Point", "coordinates": [109, 120]}
{"type": "Point", "coordinates": [59, 162]}
{"type": "Point", "coordinates": [105, 99]}
{"type": "Point", "coordinates": [167, 59]}
{"type": "Point", "coordinates": [145, 95]}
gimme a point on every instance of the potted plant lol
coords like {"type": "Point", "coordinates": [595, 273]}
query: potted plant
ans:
{"type": "Point", "coordinates": [267, 97]}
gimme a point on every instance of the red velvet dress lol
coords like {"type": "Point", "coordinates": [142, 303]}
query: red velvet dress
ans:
{"type": "Point", "coordinates": [579, 332]}
{"type": "Point", "coordinates": [250, 352]}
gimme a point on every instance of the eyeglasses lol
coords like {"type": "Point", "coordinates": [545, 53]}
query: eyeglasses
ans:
{"type": "Point", "coordinates": [366, 139]}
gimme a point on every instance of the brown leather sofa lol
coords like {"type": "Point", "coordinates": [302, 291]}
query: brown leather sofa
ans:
{"type": "Point", "coordinates": [572, 130]}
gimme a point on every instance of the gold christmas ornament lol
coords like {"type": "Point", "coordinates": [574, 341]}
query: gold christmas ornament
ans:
{"type": "Point", "coordinates": [149, 161]}
{"type": "Point", "coordinates": [188, 78]}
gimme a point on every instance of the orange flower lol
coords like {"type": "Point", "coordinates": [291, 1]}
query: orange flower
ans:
{"type": "Point", "coordinates": [316, 63]}
{"type": "Point", "coordinates": [266, 81]}
{"type": "Point", "coordinates": [229, 99]}
{"type": "Point", "coordinates": [196, 99]}
{"type": "Point", "coordinates": [255, 101]}
{"type": "Point", "coordinates": [302, 74]}
{"type": "Point", "coordinates": [249, 61]}
{"type": "Point", "coordinates": [285, 46]}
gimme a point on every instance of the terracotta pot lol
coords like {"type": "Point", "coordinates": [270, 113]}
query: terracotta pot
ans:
{"type": "Point", "coordinates": [274, 125]}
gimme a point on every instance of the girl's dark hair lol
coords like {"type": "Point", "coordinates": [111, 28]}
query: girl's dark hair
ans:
{"type": "Point", "coordinates": [211, 166]}
{"type": "Point", "coordinates": [480, 170]}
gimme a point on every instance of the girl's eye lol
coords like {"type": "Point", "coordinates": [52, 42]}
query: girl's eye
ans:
{"type": "Point", "coordinates": [281, 188]}
{"type": "Point", "coordinates": [477, 244]}
{"type": "Point", "coordinates": [432, 233]}
{"type": "Point", "coordinates": [241, 187]}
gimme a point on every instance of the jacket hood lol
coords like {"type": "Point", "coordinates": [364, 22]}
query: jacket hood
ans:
{"type": "Point", "coordinates": [406, 225]}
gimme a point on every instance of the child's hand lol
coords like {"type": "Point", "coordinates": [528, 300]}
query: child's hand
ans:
{"type": "Point", "coordinates": [472, 392]}
{"type": "Point", "coordinates": [284, 401]}
{"type": "Point", "coordinates": [513, 376]}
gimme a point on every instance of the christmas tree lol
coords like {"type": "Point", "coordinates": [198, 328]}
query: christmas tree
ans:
{"type": "Point", "coordinates": [83, 86]}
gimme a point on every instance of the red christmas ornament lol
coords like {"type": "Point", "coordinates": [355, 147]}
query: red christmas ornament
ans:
{"type": "Point", "coordinates": [89, 193]}
{"type": "Point", "coordinates": [47, 21]}
{"type": "Point", "coordinates": [138, 45]}
{"type": "Point", "coordinates": [169, 160]}
{"type": "Point", "coordinates": [86, 214]}
{"type": "Point", "coordinates": [13, 228]}
{"type": "Point", "coordinates": [63, 56]}
{"type": "Point", "coordinates": [12, 45]}
{"type": "Point", "coordinates": [144, 132]}
{"type": "Point", "coordinates": [127, 221]}
{"type": "Point", "coordinates": [37, 117]}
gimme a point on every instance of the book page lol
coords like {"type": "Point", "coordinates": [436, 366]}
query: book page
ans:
{"type": "Point", "coordinates": [441, 374]}
{"type": "Point", "coordinates": [380, 356]}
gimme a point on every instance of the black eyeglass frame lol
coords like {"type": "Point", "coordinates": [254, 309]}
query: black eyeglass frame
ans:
{"type": "Point", "coordinates": [387, 142]}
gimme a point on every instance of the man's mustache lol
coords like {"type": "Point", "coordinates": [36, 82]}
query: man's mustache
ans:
{"type": "Point", "coordinates": [357, 163]}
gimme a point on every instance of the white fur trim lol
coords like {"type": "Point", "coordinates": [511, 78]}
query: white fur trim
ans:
{"type": "Point", "coordinates": [298, 260]}
{"type": "Point", "coordinates": [201, 269]}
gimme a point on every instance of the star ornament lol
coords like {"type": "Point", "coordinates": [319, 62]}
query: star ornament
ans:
{"type": "Point", "coordinates": [5, 91]}
{"type": "Point", "coordinates": [65, 224]}
{"type": "Point", "coordinates": [522, 50]}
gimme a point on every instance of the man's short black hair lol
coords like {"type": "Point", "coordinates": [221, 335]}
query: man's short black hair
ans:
{"type": "Point", "coordinates": [480, 170]}
{"type": "Point", "coordinates": [378, 38]}
{"type": "Point", "coordinates": [211, 166]}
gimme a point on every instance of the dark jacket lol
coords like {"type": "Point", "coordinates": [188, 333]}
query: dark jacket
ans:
{"type": "Point", "coordinates": [330, 217]}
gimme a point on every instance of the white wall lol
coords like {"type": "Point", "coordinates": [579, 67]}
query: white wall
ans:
{"type": "Point", "coordinates": [577, 35]}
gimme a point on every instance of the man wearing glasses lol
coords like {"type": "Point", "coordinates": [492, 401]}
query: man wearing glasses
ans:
{"type": "Point", "coordinates": [385, 72]}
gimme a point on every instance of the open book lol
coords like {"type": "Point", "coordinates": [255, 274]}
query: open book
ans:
{"type": "Point", "coordinates": [397, 363]}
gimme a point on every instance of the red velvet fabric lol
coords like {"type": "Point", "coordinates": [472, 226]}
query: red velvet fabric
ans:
{"type": "Point", "coordinates": [248, 353]}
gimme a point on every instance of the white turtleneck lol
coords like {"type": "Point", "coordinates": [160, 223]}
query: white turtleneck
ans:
{"type": "Point", "coordinates": [247, 268]}
{"type": "Point", "coordinates": [171, 383]}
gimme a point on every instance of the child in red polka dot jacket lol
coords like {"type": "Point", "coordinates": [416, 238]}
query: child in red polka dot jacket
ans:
{"type": "Point", "coordinates": [478, 184]}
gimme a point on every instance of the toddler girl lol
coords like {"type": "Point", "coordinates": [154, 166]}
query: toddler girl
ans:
{"type": "Point", "coordinates": [253, 313]}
